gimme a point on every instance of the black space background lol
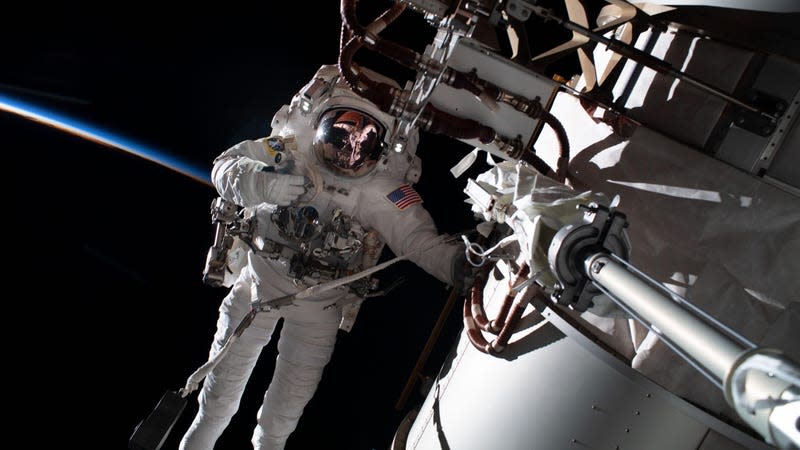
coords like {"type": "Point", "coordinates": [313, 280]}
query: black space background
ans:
{"type": "Point", "coordinates": [104, 307]}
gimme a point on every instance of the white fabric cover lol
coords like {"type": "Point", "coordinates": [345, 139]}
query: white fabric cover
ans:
{"type": "Point", "coordinates": [722, 238]}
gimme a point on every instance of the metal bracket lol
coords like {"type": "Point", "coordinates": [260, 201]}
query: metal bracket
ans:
{"type": "Point", "coordinates": [776, 140]}
{"type": "Point", "coordinates": [520, 9]}
{"type": "Point", "coordinates": [757, 122]}
{"type": "Point", "coordinates": [573, 243]}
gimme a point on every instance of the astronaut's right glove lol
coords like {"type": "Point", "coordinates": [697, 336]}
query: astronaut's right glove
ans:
{"type": "Point", "coordinates": [463, 274]}
{"type": "Point", "coordinates": [283, 189]}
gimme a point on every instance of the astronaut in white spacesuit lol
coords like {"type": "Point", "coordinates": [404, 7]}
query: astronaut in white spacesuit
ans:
{"type": "Point", "coordinates": [328, 190]}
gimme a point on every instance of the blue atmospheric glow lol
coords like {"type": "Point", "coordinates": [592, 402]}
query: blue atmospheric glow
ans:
{"type": "Point", "coordinates": [96, 134]}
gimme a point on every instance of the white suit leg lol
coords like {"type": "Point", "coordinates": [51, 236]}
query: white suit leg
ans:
{"type": "Point", "coordinates": [305, 347]}
{"type": "Point", "coordinates": [222, 389]}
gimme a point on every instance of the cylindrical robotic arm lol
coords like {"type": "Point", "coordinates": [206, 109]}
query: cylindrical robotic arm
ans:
{"type": "Point", "coordinates": [762, 385]}
{"type": "Point", "coordinates": [714, 352]}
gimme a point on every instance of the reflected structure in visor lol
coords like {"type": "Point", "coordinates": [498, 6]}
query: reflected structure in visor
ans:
{"type": "Point", "coordinates": [348, 141]}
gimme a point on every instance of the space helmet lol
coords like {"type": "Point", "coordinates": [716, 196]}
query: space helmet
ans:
{"type": "Point", "coordinates": [345, 133]}
{"type": "Point", "coordinates": [348, 141]}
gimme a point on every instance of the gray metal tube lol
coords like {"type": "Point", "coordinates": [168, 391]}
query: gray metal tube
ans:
{"type": "Point", "coordinates": [707, 346]}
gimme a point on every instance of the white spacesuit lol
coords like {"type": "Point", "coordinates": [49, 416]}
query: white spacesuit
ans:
{"type": "Point", "coordinates": [328, 189]}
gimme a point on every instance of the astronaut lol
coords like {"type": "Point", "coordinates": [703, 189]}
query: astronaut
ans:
{"type": "Point", "coordinates": [328, 189]}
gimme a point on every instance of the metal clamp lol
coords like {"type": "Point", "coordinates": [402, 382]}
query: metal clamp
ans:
{"type": "Point", "coordinates": [573, 243]}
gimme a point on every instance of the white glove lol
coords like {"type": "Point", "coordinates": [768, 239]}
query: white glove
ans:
{"type": "Point", "coordinates": [282, 189]}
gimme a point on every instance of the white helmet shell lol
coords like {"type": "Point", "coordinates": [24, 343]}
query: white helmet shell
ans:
{"type": "Point", "coordinates": [320, 99]}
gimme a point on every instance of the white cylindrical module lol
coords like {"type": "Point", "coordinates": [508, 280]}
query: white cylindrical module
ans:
{"type": "Point", "coordinates": [554, 388]}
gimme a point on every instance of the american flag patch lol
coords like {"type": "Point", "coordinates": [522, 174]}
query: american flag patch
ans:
{"type": "Point", "coordinates": [404, 196]}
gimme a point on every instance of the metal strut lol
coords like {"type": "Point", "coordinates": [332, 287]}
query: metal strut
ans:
{"type": "Point", "coordinates": [648, 60]}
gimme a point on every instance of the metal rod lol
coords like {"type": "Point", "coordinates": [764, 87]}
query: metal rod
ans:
{"type": "Point", "coordinates": [666, 340]}
{"type": "Point", "coordinates": [426, 351]}
{"type": "Point", "coordinates": [704, 344]}
{"type": "Point", "coordinates": [646, 59]}
{"type": "Point", "coordinates": [706, 316]}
